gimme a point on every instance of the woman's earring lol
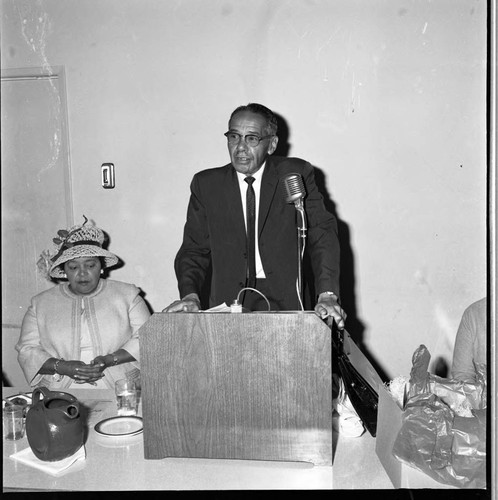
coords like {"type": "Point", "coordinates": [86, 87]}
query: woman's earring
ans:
{"type": "Point", "coordinates": [64, 275]}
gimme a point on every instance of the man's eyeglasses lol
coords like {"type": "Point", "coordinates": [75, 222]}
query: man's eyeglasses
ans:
{"type": "Point", "coordinates": [250, 139]}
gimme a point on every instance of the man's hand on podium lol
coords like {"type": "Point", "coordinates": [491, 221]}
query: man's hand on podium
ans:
{"type": "Point", "coordinates": [328, 305]}
{"type": "Point", "coordinates": [189, 303]}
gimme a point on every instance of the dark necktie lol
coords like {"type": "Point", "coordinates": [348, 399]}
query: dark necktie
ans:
{"type": "Point", "coordinates": [251, 232]}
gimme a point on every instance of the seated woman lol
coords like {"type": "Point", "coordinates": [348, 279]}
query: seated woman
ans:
{"type": "Point", "coordinates": [469, 354]}
{"type": "Point", "coordinates": [83, 330]}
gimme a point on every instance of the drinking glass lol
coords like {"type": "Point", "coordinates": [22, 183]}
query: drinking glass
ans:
{"type": "Point", "coordinates": [13, 422]}
{"type": "Point", "coordinates": [126, 396]}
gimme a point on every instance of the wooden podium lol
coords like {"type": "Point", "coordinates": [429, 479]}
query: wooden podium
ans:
{"type": "Point", "coordinates": [254, 386]}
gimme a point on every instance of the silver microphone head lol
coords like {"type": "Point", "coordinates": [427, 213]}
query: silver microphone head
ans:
{"type": "Point", "coordinates": [294, 188]}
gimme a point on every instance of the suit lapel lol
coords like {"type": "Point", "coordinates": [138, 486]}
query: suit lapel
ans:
{"type": "Point", "coordinates": [269, 184]}
{"type": "Point", "coordinates": [234, 211]}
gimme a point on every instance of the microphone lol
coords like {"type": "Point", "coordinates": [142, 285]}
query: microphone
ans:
{"type": "Point", "coordinates": [294, 193]}
{"type": "Point", "coordinates": [294, 188]}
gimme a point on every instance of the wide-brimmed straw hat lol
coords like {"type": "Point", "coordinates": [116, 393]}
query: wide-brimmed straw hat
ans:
{"type": "Point", "coordinates": [85, 240]}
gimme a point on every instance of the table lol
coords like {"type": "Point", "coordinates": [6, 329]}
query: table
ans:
{"type": "Point", "coordinates": [114, 464]}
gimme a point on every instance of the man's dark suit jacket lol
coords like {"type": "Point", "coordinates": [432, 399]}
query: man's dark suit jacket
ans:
{"type": "Point", "coordinates": [215, 238]}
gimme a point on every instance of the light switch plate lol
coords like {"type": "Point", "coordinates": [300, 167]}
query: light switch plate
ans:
{"type": "Point", "coordinates": [108, 175]}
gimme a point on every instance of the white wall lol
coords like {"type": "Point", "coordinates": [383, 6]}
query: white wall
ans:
{"type": "Point", "coordinates": [385, 97]}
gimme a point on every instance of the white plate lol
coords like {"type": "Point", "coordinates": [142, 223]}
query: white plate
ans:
{"type": "Point", "coordinates": [119, 441]}
{"type": "Point", "coordinates": [120, 426]}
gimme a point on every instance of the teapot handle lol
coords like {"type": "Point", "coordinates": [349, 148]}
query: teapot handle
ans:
{"type": "Point", "coordinates": [40, 390]}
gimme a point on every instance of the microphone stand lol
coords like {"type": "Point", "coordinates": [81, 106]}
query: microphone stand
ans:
{"type": "Point", "coordinates": [301, 243]}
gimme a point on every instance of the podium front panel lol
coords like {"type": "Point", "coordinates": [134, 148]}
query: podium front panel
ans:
{"type": "Point", "coordinates": [252, 386]}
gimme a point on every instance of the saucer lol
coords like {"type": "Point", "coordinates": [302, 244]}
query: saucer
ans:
{"type": "Point", "coordinates": [118, 441]}
{"type": "Point", "coordinates": [120, 426]}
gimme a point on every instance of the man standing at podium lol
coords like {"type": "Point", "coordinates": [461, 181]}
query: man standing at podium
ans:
{"type": "Point", "coordinates": [241, 231]}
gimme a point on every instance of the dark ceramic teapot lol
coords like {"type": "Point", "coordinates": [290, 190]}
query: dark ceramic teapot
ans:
{"type": "Point", "coordinates": [54, 426]}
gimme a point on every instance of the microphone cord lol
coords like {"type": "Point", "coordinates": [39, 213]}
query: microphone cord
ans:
{"type": "Point", "coordinates": [253, 290]}
{"type": "Point", "coordinates": [299, 295]}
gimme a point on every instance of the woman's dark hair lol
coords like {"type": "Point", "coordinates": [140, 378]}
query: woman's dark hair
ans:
{"type": "Point", "coordinates": [102, 265]}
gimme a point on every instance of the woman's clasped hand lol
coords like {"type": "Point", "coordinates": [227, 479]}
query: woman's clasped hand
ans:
{"type": "Point", "coordinates": [82, 372]}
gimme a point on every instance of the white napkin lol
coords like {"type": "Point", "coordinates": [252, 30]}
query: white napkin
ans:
{"type": "Point", "coordinates": [27, 457]}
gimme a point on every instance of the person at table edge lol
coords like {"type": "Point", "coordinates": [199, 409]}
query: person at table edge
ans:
{"type": "Point", "coordinates": [84, 330]}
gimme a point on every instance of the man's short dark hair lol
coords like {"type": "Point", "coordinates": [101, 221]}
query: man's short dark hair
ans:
{"type": "Point", "coordinates": [267, 114]}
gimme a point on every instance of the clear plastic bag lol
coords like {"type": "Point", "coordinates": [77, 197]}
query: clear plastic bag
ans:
{"type": "Point", "coordinates": [443, 432]}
